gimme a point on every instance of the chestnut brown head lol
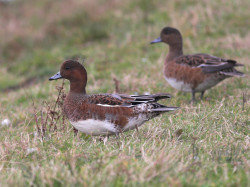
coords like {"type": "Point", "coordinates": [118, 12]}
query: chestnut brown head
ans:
{"type": "Point", "coordinates": [170, 36]}
{"type": "Point", "coordinates": [74, 72]}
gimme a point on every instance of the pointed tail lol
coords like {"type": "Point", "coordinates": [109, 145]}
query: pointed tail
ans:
{"type": "Point", "coordinates": [165, 109]}
{"type": "Point", "coordinates": [233, 73]}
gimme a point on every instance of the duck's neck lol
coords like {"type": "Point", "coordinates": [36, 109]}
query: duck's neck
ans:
{"type": "Point", "coordinates": [74, 99]}
{"type": "Point", "coordinates": [175, 50]}
{"type": "Point", "coordinates": [77, 87]}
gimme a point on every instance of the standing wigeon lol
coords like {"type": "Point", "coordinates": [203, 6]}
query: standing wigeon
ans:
{"type": "Point", "coordinates": [193, 73]}
{"type": "Point", "coordinates": [105, 114]}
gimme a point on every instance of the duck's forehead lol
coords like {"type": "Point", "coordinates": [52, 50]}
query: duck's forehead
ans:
{"type": "Point", "coordinates": [71, 63]}
{"type": "Point", "coordinates": [169, 30]}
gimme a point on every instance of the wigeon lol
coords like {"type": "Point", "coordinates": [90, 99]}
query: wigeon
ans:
{"type": "Point", "coordinates": [193, 73]}
{"type": "Point", "coordinates": [105, 114]}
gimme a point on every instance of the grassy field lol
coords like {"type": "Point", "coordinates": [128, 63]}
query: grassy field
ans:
{"type": "Point", "coordinates": [206, 144]}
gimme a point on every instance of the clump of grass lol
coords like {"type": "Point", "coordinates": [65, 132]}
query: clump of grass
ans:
{"type": "Point", "coordinates": [48, 117]}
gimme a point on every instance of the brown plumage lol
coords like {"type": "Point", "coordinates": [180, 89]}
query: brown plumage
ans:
{"type": "Point", "coordinates": [193, 73]}
{"type": "Point", "coordinates": [104, 114]}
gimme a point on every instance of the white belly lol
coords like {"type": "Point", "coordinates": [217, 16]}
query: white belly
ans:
{"type": "Point", "coordinates": [95, 127]}
{"type": "Point", "coordinates": [179, 85]}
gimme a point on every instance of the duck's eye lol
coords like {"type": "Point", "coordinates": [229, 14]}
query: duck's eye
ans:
{"type": "Point", "coordinates": [67, 67]}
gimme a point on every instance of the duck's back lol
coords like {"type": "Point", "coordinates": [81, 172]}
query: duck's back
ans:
{"type": "Point", "coordinates": [198, 71]}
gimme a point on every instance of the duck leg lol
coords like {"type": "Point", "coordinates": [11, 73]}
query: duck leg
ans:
{"type": "Point", "coordinates": [117, 136]}
{"type": "Point", "coordinates": [75, 131]}
{"type": "Point", "coordinates": [193, 96]}
{"type": "Point", "coordinates": [136, 127]}
{"type": "Point", "coordinates": [202, 93]}
{"type": "Point", "coordinates": [138, 134]}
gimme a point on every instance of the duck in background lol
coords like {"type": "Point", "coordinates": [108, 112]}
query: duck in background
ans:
{"type": "Point", "coordinates": [193, 73]}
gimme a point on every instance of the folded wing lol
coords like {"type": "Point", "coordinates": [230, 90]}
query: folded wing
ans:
{"type": "Point", "coordinates": [122, 100]}
{"type": "Point", "coordinates": [210, 64]}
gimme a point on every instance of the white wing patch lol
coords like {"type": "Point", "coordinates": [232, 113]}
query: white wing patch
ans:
{"type": "Point", "coordinates": [105, 105]}
{"type": "Point", "coordinates": [212, 65]}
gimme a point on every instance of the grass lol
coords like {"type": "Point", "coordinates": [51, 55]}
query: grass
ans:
{"type": "Point", "coordinates": [206, 144]}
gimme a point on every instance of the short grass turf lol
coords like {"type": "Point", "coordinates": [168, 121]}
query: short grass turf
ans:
{"type": "Point", "coordinates": [206, 144]}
